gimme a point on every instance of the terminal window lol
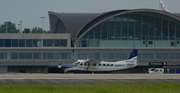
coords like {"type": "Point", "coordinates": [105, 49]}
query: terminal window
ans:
{"type": "Point", "coordinates": [33, 42]}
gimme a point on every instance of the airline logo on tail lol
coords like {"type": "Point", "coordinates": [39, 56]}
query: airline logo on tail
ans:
{"type": "Point", "coordinates": [133, 57]}
{"type": "Point", "coordinates": [163, 6]}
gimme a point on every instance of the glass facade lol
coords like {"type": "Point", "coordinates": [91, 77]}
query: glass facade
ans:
{"type": "Point", "coordinates": [122, 55]}
{"type": "Point", "coordinates": [141, 29]}
{"type": "Point", "coordinates": [33, 42]}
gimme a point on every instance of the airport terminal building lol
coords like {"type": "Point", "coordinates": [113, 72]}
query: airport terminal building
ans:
{"type": "Point", "coordinates": [109, 36]}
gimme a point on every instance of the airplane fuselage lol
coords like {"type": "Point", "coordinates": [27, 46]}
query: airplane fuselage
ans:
{"type": "Point", "coordinates": [101, 66]}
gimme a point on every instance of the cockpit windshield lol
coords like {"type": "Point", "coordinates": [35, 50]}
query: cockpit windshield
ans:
{"type": "Point", "coordinates": [76, 63]}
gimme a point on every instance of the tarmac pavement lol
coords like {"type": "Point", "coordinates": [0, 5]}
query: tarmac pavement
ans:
{"type": "Point", "coordinates": [86, 78]}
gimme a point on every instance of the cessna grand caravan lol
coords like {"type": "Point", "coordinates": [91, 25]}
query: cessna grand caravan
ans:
{"type": "Point", "coordinates": [97, 66]}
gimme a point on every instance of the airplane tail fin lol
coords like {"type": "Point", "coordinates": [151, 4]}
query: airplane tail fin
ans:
{"type": "Point", "coordinates": [133, 57]}
{"type": "Point", "coordinates": [134, 53]}
{"type": "Point", "coordinates": [163, 6]}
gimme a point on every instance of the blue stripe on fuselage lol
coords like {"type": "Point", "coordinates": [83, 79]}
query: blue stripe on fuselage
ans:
{"type": "Point", "coordinates": [89, 72]}
{"type": "Point", "coordinates": [64, 66]}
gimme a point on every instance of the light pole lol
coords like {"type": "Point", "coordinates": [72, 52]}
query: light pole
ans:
{"type": "Point", "coordinates": [42, 24]}
{"type": "Point", "coordinates": [21, 26]}
{"type": "Point", "coordinates": [6, 27]}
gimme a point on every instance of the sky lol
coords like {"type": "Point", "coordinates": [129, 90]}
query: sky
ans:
{"type": "Point", "coordinates": [31, 11]}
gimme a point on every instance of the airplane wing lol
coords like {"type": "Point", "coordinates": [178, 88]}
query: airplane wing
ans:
{"type": "Point", "coordinates": [91, 62]}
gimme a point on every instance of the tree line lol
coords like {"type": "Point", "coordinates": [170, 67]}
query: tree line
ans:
{"type": "Point", "coordinates": [9, 27]}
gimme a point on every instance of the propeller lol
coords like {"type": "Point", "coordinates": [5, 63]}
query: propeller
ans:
{"type": "Point", "coordinates": [59, 65]}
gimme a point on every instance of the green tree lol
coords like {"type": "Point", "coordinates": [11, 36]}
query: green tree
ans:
{"type": "Point", "coordinates": [9, 27]}
{"type": "Point", "coordinates": [48, 31]}
{"type": "Point", "coordinates": [37, 30]}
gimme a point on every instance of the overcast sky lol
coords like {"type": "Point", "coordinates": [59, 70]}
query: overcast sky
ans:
{"type": "Point", "coordinates": [30, 11]}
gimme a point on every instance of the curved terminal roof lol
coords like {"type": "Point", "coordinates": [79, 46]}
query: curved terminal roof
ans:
{"type": "Point", "coordinates": [74, 21]}
{"type": "Point", "coordinates": [177, 14]}
{"type": "Point", "coordinates": [78, 23]}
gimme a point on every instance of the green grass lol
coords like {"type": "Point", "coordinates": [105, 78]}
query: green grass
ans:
{"type": "Point", "coordinates": [97, 88]}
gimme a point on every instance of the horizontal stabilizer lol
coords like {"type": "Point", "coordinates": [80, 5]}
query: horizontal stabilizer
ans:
{"type": "Point", "coordinates": [132, 61]}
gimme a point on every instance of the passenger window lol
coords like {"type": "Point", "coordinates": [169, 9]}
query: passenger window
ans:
{"type": "Point", "coordinates": [104, 64]}
{"type": "Point", "coordinates": [94, 64]}
{"type": "Point", "coordinates": [81, 64]}
{"type": "Point", "coordinates": [107, 64]}
{"type": "Point", "coordinates": [111, 64]}
{"type": "Point", "coordinates": [99, 64]}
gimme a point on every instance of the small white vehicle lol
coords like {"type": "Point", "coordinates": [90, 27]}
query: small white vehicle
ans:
{"type": "Point", "coordinates": [156, 71]}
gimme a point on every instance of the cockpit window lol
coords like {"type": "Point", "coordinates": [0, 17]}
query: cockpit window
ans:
{"type": "Point", "coordinates": [76, 63]}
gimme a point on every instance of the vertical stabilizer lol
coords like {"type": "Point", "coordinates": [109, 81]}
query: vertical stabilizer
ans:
{"type": "Point", "coordinates": [134, 53]}
{"type": "Point", "coordinates": [132, 60]}
{"type": "Point", "coordinates": [162, 6]}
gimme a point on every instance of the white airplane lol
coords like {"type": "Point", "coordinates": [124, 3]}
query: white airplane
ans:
{"type": "Point", "coordinates": [95, 66]}
{"type": "Point", "coordinates": [163, 6]}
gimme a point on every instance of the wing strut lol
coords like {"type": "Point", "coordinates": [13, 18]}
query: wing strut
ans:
{"type": "Point", "coordinates": [91, 61]}
{"type": "Point", "coordinates": [88, 66]}
{"type": "Point", "coordinates": [88, 63]}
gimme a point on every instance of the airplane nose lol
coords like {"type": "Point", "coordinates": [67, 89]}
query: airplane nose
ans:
{"type": "Point", "coordinates": [59, 66]}
{"type": "Point", "coordinates": [64, 66]}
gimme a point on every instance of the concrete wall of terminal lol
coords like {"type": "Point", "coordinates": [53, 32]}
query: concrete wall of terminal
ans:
{"type": "Point", "coordinates": [34, 36]}
{"type": "Point", "coordinates": [3, 69]}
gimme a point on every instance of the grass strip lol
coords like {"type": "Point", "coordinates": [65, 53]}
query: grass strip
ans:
{"type": "Point", "coordinates": [96, 88]}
